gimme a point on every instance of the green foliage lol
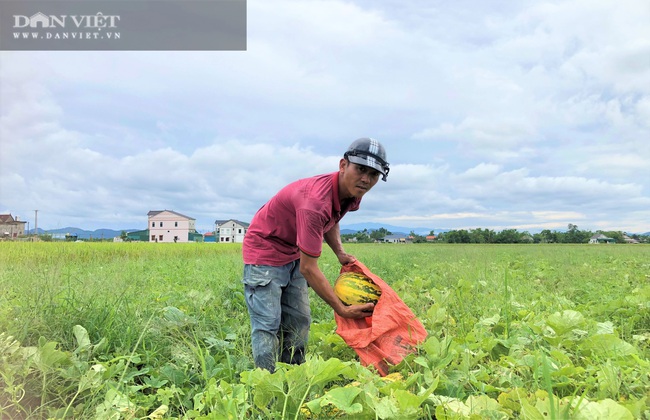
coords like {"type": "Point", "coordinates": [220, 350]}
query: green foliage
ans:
{"type": "Point", "coordinates": [127, 330]}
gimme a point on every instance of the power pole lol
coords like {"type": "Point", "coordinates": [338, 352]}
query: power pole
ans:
{"type": "Point", "coordinates": [36, 223]}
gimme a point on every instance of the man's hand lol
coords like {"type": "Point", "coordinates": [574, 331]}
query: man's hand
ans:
{"type": "Point", "coordinates": [345, 258]}
{"type": "Point", "coordinates": [357, 311]}
{"type": "Point", "coordinates": [317, 281]}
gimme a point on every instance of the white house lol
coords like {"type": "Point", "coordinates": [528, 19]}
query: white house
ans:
{"type": "Point", "coordinates": [230, 231]}
{"type": "Point", "coordinates": [396, 239]}
{"type": "Point", "coordinates": [169, 226]}
{"type": "Point", "coordinates": [601, 239]}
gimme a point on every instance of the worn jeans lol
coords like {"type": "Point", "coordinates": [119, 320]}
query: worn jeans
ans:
{"type": "Point", "coordinates": [278, 305]}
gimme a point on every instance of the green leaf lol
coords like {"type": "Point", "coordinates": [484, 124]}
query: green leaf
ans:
{"type": "Point", "coordinates": [530, 412]}
{"type": "Point", "coordinates": [605, 409]}
{"type": "Point", "coordinates": [409, 403]}
{"type": "Point", "coordinates": [325, 371]}
{"type": "Point", "coordinates": [608, 346]}
{"type": "Point", "coordinates": [490, 321]}
{"type": "Point", "coordinates": [81, 335]}
{"type": "Point", "coordinates": [565, 321]}
{"type": "Point", "coordinates": [431, 346]}
{"type": "Point", "coordinates": [386, 408]}
{"type": "Point", "coordinates": [266, 385]}
{"type": "Point", "coordinates": [340, 398]}
{"type": "Point", "coordinates": [92, 378]}
{"type": "Point", "coordinates": [48, 357]}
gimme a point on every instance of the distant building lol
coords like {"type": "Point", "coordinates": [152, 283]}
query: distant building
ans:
{"type": "Point", "coordinates": [170, 226]}
{"type": "Point", "coordinates": [397, 239]}
{"type": "Point", "coordinates": [11, 227]}
{"type": "Point", "coordinates": [601, 239]}
{"type": "Point", "coordinates": [230, 231]}
{"type": "Point", "coordinates": [629, 240]}
{"type": "Point", "coordinates": [138, 235]}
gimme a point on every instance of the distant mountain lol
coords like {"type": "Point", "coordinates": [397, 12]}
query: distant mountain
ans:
{"type": "Point", "coordinates": [356, 227]}
{"type": "Point", "coordinates": [83, 234]}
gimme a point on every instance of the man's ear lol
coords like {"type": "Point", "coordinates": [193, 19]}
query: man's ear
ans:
{"type": "Point", "coordinates": [343, 163]}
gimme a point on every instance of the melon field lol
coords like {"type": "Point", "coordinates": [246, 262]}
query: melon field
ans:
{"type": "Point", "coordinates": [157, 331]}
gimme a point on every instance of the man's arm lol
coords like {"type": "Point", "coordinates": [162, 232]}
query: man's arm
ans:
{"type": "Point", "coordinates": [333, 239]}
{"type": "Point", "coordinates": [317, 281]}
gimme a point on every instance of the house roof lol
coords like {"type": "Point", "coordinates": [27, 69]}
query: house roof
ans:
{"type": "Point", "coordinates": [220, 222]}
{"type": "Point", "coordinates": [395, 237]}
{"type": "Point", "coordinates": [153, 213]}
{"type": "Point", "coordinates": [6, 218]}
{"type": "Point", "coordinates": [600, 236]}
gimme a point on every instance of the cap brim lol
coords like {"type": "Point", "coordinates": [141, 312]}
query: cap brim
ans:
{"type": "Point", "coordinates": [367, 161]}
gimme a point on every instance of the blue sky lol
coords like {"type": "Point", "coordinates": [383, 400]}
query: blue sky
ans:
{"type": "Point", "coordinates": [527, 115]}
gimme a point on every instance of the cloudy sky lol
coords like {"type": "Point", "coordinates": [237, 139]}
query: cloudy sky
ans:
{"type": "Point", "coordinates": [500, 114]}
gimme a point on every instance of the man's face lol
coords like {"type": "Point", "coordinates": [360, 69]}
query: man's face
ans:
{"type": "Point", "coordinates": [355, 180]}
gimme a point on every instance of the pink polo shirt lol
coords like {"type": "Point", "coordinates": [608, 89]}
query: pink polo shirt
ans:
{"type": "Point", "coordinates": [295, 219]}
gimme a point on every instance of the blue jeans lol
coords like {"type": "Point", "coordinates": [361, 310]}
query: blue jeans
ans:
{"type": "Point", "coordinates": [278, 306]}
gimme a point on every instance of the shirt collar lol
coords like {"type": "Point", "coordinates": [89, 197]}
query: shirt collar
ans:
{"type": "Point", "coordinates": [336, 202]}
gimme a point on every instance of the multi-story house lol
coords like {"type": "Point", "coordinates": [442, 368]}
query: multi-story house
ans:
{"type": "Point", "coordinates": [169, 226]}
{"type": "Point", "coordinates": [230, 231]}
{"type": "Point", "coordinates": [11, 227]}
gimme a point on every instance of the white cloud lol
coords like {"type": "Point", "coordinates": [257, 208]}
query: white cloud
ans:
{"type": "Point", "coordinates": [494, 114]}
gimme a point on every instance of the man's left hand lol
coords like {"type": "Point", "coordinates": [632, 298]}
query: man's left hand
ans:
{"type": "Point", "coordinates": [345, 258]}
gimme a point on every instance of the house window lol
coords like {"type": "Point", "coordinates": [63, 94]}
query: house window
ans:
{"type": "Point", "coordinates": [175, 224]}
{"type": "Point", "coordinates": [153, 224]}
{"type": "Point", "coordinates": [160, 224]}
{"type": "Point", "coordinates": [153, 237]}
{"type": "Point", "coordinates": [238, 230]}
{"type": "Point", "coordinates": [160, 238]}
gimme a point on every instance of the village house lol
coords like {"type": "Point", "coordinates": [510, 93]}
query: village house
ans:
{"type": "Point", "coordinates": [629, 240]}
{"type": "Point", "coordinates": [230, 231]}
{"type": "Point", "coordinates": [11, 227]}
{"type": "Point", "coordinates": [397, 239]}
{"type": "Point", "coordinates": [601, 239]}
{"type": "Point", "coordinates": [170, 226]}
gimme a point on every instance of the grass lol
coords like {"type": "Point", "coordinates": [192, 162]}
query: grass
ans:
{"type": "Point", "coordinates": [168, 323]}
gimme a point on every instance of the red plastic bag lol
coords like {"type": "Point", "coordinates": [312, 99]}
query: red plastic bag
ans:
{"type": "Point", "coordinates": [388, 335]}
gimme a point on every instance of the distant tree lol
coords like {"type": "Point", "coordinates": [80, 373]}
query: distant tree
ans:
{"type": "Point", "coordinates": [574, 236]}
{"type": "Point", "coordinates": [481, 236]}
{"type": "Point", "coordinates": [547, 236]}
{"type": "Point", "coordinates": [363, 236]}
{"type": "Point", "coordinates": [508, 236]}
{"type": "Point", "coordinates": [418, 239]}
{"type": "Point", "coordinates": [457, 237]}
{"type": "Point", "coordinates": [379, 233]}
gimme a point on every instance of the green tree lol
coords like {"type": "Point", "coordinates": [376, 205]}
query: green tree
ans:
{"type": "Point", "coordinates": [379, 233]}
{"type": "Point", "coordinates": [457, 237]}
{"type": "Point", "coordinates": [417, 239]}
{"type": "Point", "coordinates": [547, 236]}
{"type": "Point", "coordinates": [481, 236]}
{"type": "Point", "coordinates": [508, 236]}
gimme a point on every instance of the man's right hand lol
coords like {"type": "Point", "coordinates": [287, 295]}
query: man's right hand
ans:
{"type": "Point", "coordinates": [357, 311]}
